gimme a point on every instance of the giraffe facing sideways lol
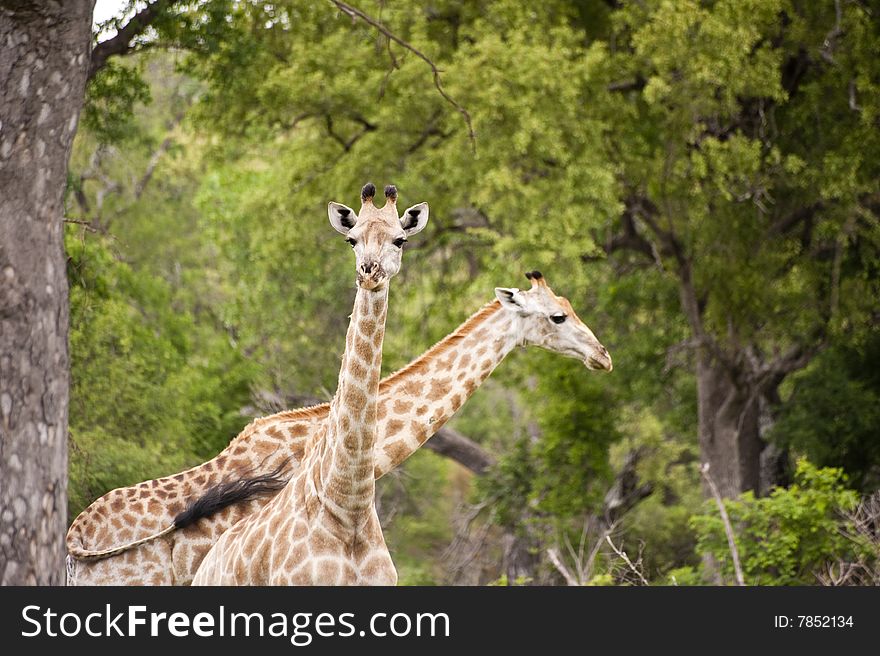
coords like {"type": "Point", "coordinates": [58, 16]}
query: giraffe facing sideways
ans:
{"type": "Point", "coordinates": [414, 403]}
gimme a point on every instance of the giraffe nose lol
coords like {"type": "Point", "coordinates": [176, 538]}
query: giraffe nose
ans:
{"type": "Point", "coordinates": [367, 268]}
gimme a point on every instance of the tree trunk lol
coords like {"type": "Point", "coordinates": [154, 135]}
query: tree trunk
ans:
{"type": "Point", "coordinates": [730, 439]}
{"type": "Point", "coordinates": [44, 58]}
{"type": "Point", "coordinates": [521, 560]}
{"type": "Point", "coordinates": [776, 469]}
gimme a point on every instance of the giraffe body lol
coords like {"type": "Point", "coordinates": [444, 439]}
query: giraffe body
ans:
{"type": "Point", "coordinates": [322, 529]}
{"type": "Point", "coordinates": [414, 403]}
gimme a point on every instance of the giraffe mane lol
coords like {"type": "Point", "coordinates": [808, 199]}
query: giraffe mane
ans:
{"type": "Point", "coordinates": [309, 412]}
{"type": "Point", "coordinates": [420, 364]}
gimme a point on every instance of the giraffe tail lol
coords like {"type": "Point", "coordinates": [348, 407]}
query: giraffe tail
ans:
{"type": "Point", "coordinates": [216, 498]}
{"type": "Point", "coordinates": [79, 553]}
{"type": "Point", "coordinates": [229, 492]}
{"type": "Point", "coordinates": [71, 571]}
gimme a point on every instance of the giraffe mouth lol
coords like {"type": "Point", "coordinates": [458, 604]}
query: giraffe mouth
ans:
{"type": "Point", "coordinates": [597, 364]}
{"type": "Point", "coordinates": [371, 282]}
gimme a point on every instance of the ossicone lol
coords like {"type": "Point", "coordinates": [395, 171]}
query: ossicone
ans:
{"type": "Point", "coordinates": [536, 278]}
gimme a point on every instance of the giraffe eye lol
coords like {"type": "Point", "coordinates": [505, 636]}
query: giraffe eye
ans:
{"type": "Point", "coordinates": [399, 242]}
{"type": "Point", "coordinates": [352, 242]}
{"type": "Point", "coordinates": [557, 318]}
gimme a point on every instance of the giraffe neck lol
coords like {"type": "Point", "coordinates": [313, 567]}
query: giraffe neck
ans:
{"type": "Point", "coordinates": [343, 473]}
{"type": "Point", "coordinates": [420, 398]}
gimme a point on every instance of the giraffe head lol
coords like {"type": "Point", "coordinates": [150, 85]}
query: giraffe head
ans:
{"type": "Point", "coordinates": [377, 234]}
{"type": "Point", "coordinates": [548, 321]}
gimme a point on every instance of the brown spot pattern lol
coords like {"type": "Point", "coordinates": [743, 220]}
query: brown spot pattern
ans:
{"type": "Point", "coordinates": [396, 451]}
{"type": "Point", "coordinates": [364, 349]}
{"type": "Point", "coordinates": [439, 389]}
{"type": "Point", "coordinates": [394, 427]}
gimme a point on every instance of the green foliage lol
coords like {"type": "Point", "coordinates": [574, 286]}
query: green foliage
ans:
{"type": "Point", "coordinates": [577, 425]}
{"type": "Point", "coordinates": [509, 484]}
{"type": "Point", "coordinates": [421, 500]}
{"type": "Point", "coordinates": [684, 576]}
{"type": "Point", "coordinates": [834, 411]}
{"type": "Point", "coordinates": [158, 384]}
{"type": "Point", "coordinates": [147, 397]}
{"type": "Point", "coordinates": [503, 581]}
{"type": "Point", "coordinates": [738, 126]}
{"type": "Point", "coordinates": [784, 538]}
{"type": "Point", "coordinates": [110, 104]}
{"type": "Point", "coordinates": [560, 466]}
{"type": "Point", "coordinates": [661, 521]}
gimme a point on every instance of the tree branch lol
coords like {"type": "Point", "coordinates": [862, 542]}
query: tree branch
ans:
{"type": "Point", "coordinates": [623, 86]}
{"type": "Point", "coordinates": [356, 13]}
{"type": "Point", "coordinates": [347, 145]}
{"type": "Point", "coordinates": [786, 223]}
{"type": "Point", "coordinates": [626, 491]}
{"type": "Point", "coordinates": [622, 496]}
{"type": "Point", "coordinates": [156, 157]}
{"type": "Point", "coordinates": [452, 444]}
{"type": "Point", "coordinates": [637, 206]}
{"type": "Point", "coordinates": [556, 559]}
{"type": "Point", "coordinates": [622, 554]}
{"type": "Point", "coordinates": [123, 42]}
{"type": "Point", "coordinates": [630, 238]}
{"type": "Point", "coordinates": [797, 357]}
{"type": "Point", "coordinates": [86, 224]}
{"type": "Point", "coordinates": [431, 130]}
{"type": "Point", "coordinates": [647, 212]}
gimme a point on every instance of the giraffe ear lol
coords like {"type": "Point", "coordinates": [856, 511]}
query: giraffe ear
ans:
{"type": "Point", "coordinates": [510, 298]}
{"type": "Point", "coordinates": [415, 219]}
{"type": "Point", "coordinates": [342, 217]}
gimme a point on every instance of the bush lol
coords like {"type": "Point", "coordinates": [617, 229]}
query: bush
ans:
{"type": "Point", "coordinates": [784, 538]}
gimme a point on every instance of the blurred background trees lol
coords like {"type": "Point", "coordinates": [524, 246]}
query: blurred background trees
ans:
{"type": "Point", "coordinates": [700, 179]}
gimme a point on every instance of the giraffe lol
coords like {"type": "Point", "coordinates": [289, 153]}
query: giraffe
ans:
{"type": "Point", "coordinates": [322, 528]}
{"type": "Point", "coordinates": [163, 553]}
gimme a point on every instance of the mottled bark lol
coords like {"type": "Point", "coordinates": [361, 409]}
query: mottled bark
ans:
{"type": "Point", "coordinates": [44, 58]}
{"type": "Point", "coordinates": [521, 559]}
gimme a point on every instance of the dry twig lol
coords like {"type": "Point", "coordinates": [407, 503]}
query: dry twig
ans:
{"type": "Point", "coordinates": [85, 224]}
{"type": "Point", "coordinates": [728, 529]}
{"type": "Point", "coordinates": [625, 558]}
{"type": "Point", "coordinates": [553, 555]}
